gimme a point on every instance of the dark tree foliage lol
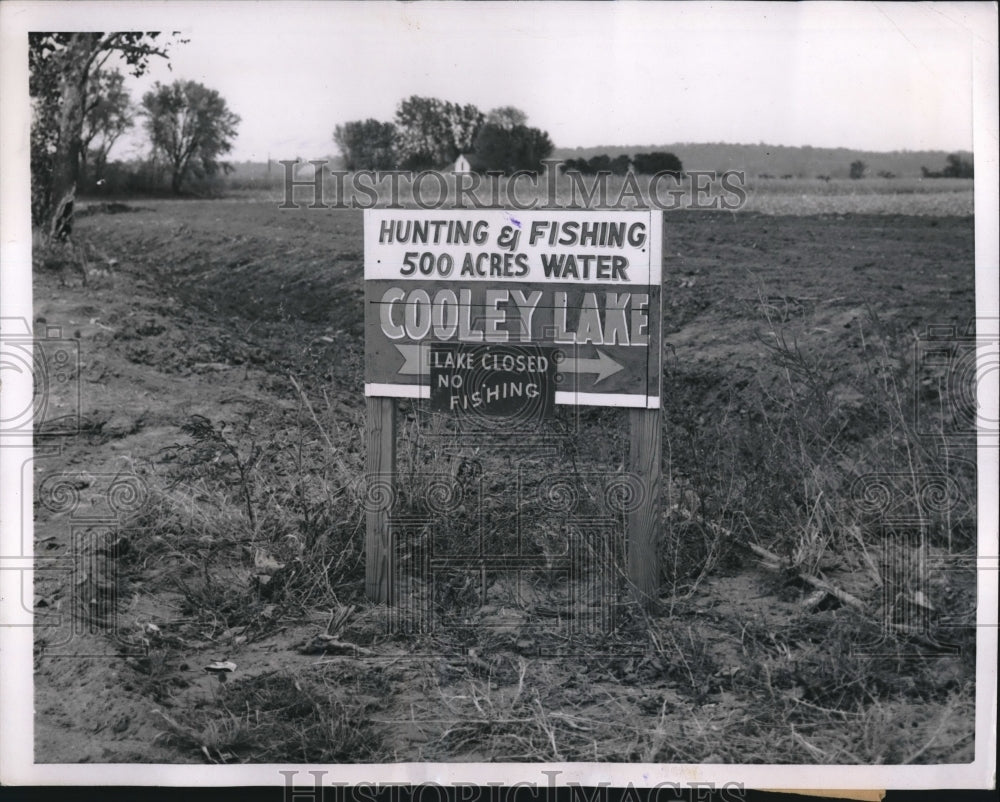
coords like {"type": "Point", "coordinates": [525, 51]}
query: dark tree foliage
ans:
{"type": "Point", "coordinates": [657, 162]}
{"type": "Point", "coordinates": [620, 164]}
{"type": "Point", "coordinates": [62, 69]}
{"type": "Point", "coordinates": [367, 144]}
{"type": "Point", "coordinates": [957, 167]}
{"type": "Point", "coordinates": [858, 169]}
{"type": "Point", "coordinates": [511, 149]}
{"type": "Point", "coordinates": [432, 133]}
{"type": "Point", "coordinates": [576, 166]}
{"type": "Point", "coordinates": [189, 126]}
{"type": "Point", "coordinates": [599, 164]}
{"type": "Point", "coordinates": [641, 163]}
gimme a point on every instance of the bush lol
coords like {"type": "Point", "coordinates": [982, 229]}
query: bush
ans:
{"type": "Point", "coordinates": [956, 167]}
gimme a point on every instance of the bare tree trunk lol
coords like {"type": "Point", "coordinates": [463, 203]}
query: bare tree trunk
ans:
{"type": "Point", "coordinates": [66, 166]}
{"type": "Point", "coordinates": [65, 174]}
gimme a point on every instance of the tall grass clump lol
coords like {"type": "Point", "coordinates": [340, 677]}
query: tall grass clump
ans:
{"type": "Point", "coordinates": [254, 516]}
{"type": "Point", "coordinates": [820, 460]}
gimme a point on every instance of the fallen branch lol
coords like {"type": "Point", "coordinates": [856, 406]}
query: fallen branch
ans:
{"type": "Point", "coordinates": [328, 644]}
{"type": "Point", "coordinates": [815, 581]}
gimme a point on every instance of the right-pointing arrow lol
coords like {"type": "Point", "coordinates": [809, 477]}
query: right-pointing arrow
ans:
{"type": "Point", "coordinates": [603, 366]}
{"type": "Point", "coordinates": [416, 359]}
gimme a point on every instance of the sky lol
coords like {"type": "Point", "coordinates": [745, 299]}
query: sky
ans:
{"type": "Point", "coordinates": [863, 76]}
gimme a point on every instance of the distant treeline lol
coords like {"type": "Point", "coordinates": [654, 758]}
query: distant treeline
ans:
{"type": "Point", "coordinates": [757, 161]}
{"type": "Point", "coordinates": [955, 167]}
{"type": "Point", "coordinates": [428, 133]}
{"type": "Point", "coordinates": [785, 161]}
{"type": "Point", "coordinates": [642, 163]}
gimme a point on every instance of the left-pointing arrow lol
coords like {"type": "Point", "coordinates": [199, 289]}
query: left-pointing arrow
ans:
{"type": "Point", "coordinates": [416, 359]}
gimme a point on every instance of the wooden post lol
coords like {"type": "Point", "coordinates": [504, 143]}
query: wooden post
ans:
{"type": "Point", "coordinates": [644, 519]}
{"type": "Point", "coordinates": [380, 473]}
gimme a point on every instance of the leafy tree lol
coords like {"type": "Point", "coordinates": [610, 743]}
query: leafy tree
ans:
{"type": "Point", "coordinates": [62, 68]}
{"type": "Point", "coordinates": [576, 166]}
{"type": "Point", "coordinates": [657, 162]}
{"type": "Point", "coordinates": [190, 126]}
{"type": "Point", "coordinates": [599, 164]}
{"type": "Point", "coordinates": [858, 169]}
{"type": "Point", "coordinates": [510, 149]}
{"type": "Point", "coordinates": [367, 144]}
{"type": "Point", "coordinates": [957, 167]}
{"type": "Point", "coordinates": [532, 145]}
{"type": "Point", "coordinates": [620, 164]}
{"type": "Point", "coordinates": [506, 117]}
{"type": "Point", "coordinates": [432, 132]}
{"type": "Point", "coordinates": [109, 115]}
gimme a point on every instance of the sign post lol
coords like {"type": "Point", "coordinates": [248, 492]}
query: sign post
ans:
{"type": "Point", "coordinates": [644, 517]}
{"type": "Point", "coordinates": [504, 314]}
{"type": "Point", "coordinates": [380, 469]}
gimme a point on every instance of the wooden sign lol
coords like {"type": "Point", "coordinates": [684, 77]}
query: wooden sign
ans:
{"type": "Point", "coordinates": [502, 314]}
{"type": "Point", "coordinates": [586, 283]}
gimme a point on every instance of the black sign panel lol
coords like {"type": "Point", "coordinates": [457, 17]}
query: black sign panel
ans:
{"type": "Point", "coordinates": [499, 380]}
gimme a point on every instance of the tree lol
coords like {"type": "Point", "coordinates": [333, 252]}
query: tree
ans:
{"type": "Point", "coordinates": [657, 162]}
{"type": "Point", "coordinates": [109, 115]}
{"type": "Point", "coordinates": [367, 144]}
{"type": "Point", "coordinates": [576, 166]}
{"type": "Point", "coordinates": [61, 68]}
{"type": "Point", "coordinates": [190, 126]}
{"type": "Point", "coordinates": [600, 163]}
{"type": "Point", "coordinates": [506, 117]}
{"type": "Point", "coordinates": [510, 149]}
{"type": "Point", "coordinates": [620, 164]}
{"type": "Point", "coordinates": [957, 167]}
{"type": "Point", "coordinates": [432, 132]}
{"type": "Point", "coordinates": [858, 169]}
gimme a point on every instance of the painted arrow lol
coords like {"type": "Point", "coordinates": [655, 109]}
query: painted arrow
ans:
{"type": "Point", "coordinates": [603, 366]}
{"type": "Point", "coordinates": [417, 362]}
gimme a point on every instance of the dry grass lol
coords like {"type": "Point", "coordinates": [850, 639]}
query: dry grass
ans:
{"type": "Point", "coordinates": [254, 522]}
{"type": "Point", "coordinates": [277, 719]}
{"type": "Point", "coordinates": [258, 527]}
{"type": "Point", "coordinates": [942, 197]}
